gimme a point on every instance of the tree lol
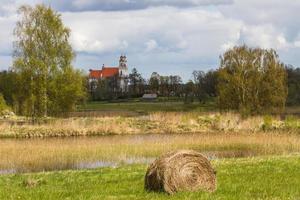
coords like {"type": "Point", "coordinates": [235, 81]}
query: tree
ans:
{"type": "Point", "coordinates": [42, 58]}
{"type": "Point", "coordinates": [189, 92]}
{"type": "Point", "coordinates": [154, 82]}
{"type": "Point", "coordinates": [199, 77]}
{"type": "Point", "coordinates": [136, 83]}
{"type": "Point", "coordinates": [8, 86]}
{"type": "Point", "coordinates": [247, 81]}
{"type": "Point", "coordinates": [107, 89]}
{"type": "Point", "coordinates": [293, 85]}
{"type": "Point", "coordinates": [164, 86]}
{"type": "Point", "coordinates": [175, 85]}
{"type": "Point", "coordinates": [102, 91]}
{"type": "Point", "coordinates": [65, 91]}
{"type": "Point", "coordinates": [3, 105]}
{"type": "Point", "coordinates": [205, 84]}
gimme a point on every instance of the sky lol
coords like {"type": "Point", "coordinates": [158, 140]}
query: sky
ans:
{"type": "Point", "coordinates": [166, 36]}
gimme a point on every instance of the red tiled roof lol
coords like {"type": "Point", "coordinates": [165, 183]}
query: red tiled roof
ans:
{"type": "Point", "coordinates": [104, 73]}
{"type": "Point", "coordinates": [95, 74]}
{"type": "Point", "coordinates": [109, 71]}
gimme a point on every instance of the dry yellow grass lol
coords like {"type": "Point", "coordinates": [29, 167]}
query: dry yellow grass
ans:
{"type": "Point", "coordinates": [65, 153]}
{"type": "Point", "coordinates": [158, 123]}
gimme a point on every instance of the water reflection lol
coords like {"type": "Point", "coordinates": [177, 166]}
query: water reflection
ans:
{"type": "Point", "coordinates": [49, 154]}
{"type": "Point", "coordinates": [211, 155]}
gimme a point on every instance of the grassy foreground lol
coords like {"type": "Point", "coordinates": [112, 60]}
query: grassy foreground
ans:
{"type": "Point", "coordinates": [252, 178]}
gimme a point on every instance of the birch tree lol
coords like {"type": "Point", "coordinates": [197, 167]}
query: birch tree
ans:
{"type": "Point", "coordinates": [42, 57]}
{"type": "Point", "coordinates": [252, 80]}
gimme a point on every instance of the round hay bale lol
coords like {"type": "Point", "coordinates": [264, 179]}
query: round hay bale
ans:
{"type": "Point", "coordinates": [183, 170]}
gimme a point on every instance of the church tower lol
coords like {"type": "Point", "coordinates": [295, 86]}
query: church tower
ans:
{"type": "Point", "coordinates": [123, 73]}
{"type": "Point", "coordinates": [123, 70]}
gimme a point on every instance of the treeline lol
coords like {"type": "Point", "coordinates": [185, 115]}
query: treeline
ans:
{"type": "Point", "coordinates": [293, 81]}
{"type": "Point", "coordinates": [42, 81]}
{"type": "Point", "coordinates": [203, 87]}
{"type": "Point", "coordinates": [165, 86]}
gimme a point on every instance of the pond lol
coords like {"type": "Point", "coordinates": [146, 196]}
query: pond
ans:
{"type": "Point", "coordinates": [35, 155]}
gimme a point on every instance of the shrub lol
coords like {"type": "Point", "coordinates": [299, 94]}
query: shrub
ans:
{"type": "Point", "coordinates": [3, 105]}
{"type": "Point", "coordinates": [292, 122]}
{"type": "Point", "coordinates": [267, 124]}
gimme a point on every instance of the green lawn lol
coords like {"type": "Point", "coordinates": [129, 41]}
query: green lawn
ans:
{"type": "Point", "coordinates": [252, 178]}
{"type": "Point", "coordinates": [139, 106]}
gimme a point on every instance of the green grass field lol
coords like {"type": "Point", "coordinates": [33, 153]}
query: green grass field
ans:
{"type": "Point", "coordinates": [252, 178]}
{"type": "Point", "coordinates": [153, 129]}
{"type": "Point", "coordinates": [136, 105]}
{"type": "Point", "coordinates": [145, 107]}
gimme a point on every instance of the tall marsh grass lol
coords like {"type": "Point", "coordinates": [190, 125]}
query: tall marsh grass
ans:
{"type": "Point", "coordinates": [157, 123]}
{"type": "Point", "coordinates": [24, 155]}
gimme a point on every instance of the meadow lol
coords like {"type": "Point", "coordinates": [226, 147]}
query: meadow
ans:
{"type": "Point", "coordinates": [103, 150]}
{"type": "Point", "coordinates": [152, 123]}
{"type": "Point", "coordinates": [237, 179]}
{"type": "Point", "coordinates": [161, 104]}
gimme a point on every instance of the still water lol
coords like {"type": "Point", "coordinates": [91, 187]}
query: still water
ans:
{"type": "Point", "coordinates": [48, 154]}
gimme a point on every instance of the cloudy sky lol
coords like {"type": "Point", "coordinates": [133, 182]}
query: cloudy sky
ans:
{"type": "Point", "coordinates": [167, 36]}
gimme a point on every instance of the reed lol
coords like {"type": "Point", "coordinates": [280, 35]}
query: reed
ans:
{"type": "Point", "coordinates": [158, 123]}
{"type": "Point", "coordinates": [24, 155]}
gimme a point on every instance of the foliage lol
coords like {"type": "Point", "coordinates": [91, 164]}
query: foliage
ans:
{"type": "Point", "coordinates": [170, 86]}
{"type": "Point", "coordinates": [154, 82]}
{"type": "Point", "coordinates": [246, 81]}
{"type": "Point", "coordinates": [106, 89]}
{"type": "Point", "coordinates": [292, 122]}
{"type": "Point", "coordinates": [8, 86]}
{"type": "Point", "coordinates": [175, 85]}
{"type": "Point", "coordinates": [189, 92]}
{"type": "Point", "coordinates": [164, 86]}
{"type": "Point", "coordinates": [65, 91]}
{"type": "Point", "coordinates": [293, 75]}
{"type": "Point", "coordinates": [137, 83]}
{"type": "Point", "coordinates": [42, 58]}
{"type": "Point", "coordinates": [206, 84]}
{"type": "Point", "coordinates": [267, 123]}
{"type": "Point", "coordinates": [3, 105]}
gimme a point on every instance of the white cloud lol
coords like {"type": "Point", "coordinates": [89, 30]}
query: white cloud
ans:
{"type": "Point", "coordinates": [297, 43]}
{"type": "Point", "coordinates": [226, 46]}
{"type": "Point", "coordinates": [168, 35]}
{"type": "Point", "coordinates": [193, 33]}
{"type": "Point", "coordinates": [151, 45]}
{"type": "Point", "coordinates": [283, 15]}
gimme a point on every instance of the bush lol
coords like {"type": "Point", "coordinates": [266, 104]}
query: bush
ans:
{"type": "Point", "coordinates": [267, 124]}
{"type": "Point", "coordinates": [5, 111]}
{"type": "Point", "coordinates": [292, 122]}
{"type": "Point", "coordinates": [3, 105]}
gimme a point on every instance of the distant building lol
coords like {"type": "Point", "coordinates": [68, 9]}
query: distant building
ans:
{"type": "Point", "coordinates": [149, 97]}
{"type": "Point", "coordinates": [120, 74]}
